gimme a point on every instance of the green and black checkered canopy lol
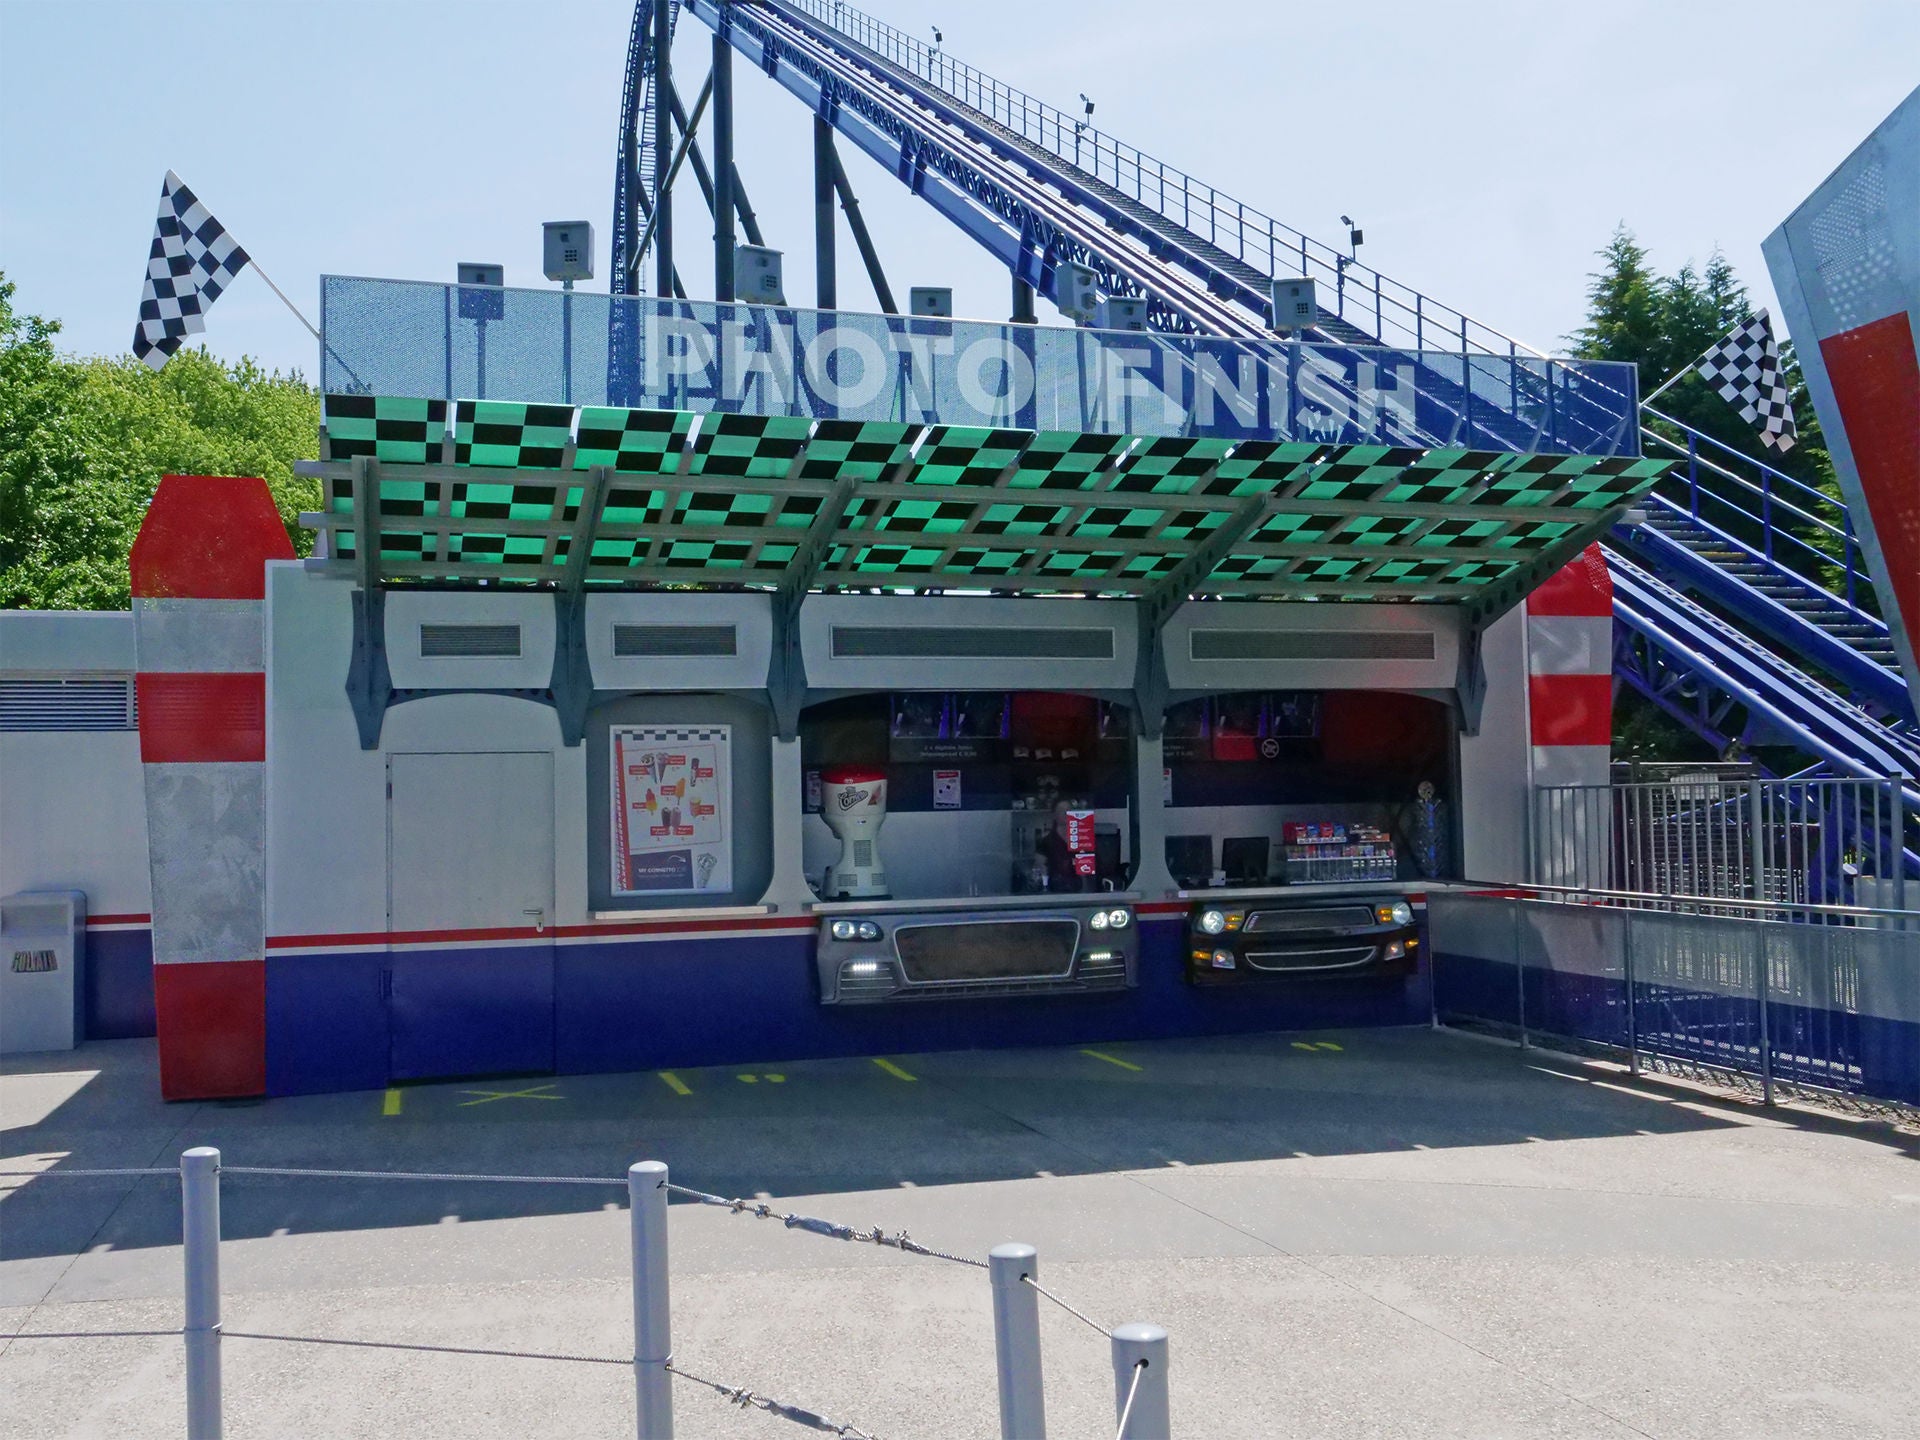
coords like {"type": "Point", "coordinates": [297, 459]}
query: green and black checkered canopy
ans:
{"type": "Point", "coordinates": [712, 500]}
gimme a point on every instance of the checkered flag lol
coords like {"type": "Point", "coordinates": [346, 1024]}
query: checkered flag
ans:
{"type": "Point", "coordinates": [192, 260]}
{"type": "Point", "coordinates": [1745, 369]}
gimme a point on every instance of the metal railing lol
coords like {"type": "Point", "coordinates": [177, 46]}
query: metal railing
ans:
{"type": "Point", "coordinates": [1359, 294]}
{"type": "Point", "coordinates": [1138, 1351]}
{"type": "Point", "coordinates": [1793, 841]}
{"type": "Point", "coordinates": [1788, 521]}
{"type": "Point", "coordinates": [1820, 997]}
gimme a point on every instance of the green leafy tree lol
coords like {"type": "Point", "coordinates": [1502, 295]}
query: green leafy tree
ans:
{"type": "Point", "coordinates": [84, 442]}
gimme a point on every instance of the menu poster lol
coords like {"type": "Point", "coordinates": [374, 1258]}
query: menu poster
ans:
{"type": "Point", "coordinates": [1080, 841]}
{"type": "Point", "coordinates": [670, 808]}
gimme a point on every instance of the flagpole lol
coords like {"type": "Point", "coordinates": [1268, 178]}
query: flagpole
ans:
{"type": "Point", "coordinates": [1665, 385]}
{"type": "Point", "coordinates": [303, 320]}
{"type": "Point", "coordinates": [285, 301]}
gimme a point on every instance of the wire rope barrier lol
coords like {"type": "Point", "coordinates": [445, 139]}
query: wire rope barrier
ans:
{"type": "Point", "coordinates": [1138, 1350]}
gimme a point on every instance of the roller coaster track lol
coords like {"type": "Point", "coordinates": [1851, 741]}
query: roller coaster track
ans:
{"type": "Point", "coordinates": [1712, 624]}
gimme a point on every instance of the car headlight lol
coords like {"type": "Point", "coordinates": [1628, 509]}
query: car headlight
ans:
{"type": "Point", "coordinates": [1099, 920]}
{"type": "Point", "coordinates": [1401, 913]}
{"type": "Point", "coordinates": [1213, 921]}
{"type": "Point", "coordinates": [844, 930]}
{"type": "Point", "coordinates": [1118, 919]}
{"type": "Point", "coordinates": [866, 930]}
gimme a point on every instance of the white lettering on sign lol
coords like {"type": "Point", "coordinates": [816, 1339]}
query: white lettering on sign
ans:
{"type": "Point", "coordinates": [1383, 412]}
{"type": "Point", "coordinates": [842, 340]}
{"type": "Point", "coordinates": [1015, 390]}
{"type": "Point", "coordinates": [1325, 411]}
{"type": "Point", "coordinates": [1241, 392]}
{"type": "Point", "coordinates": [762, 361]}
{"type": "Point", "coordinates": [771, 362]}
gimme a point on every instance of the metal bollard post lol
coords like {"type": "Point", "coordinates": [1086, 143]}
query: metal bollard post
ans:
{"type": "Point", "coordinates": [200, 1243]}
{"type": "Point", "coordinates": [1016, 1342]}
{"type": "Point", "coordinates": [1762, 986]}
{"type": "Point", "coordinates": [1633, 1019]}
{"type": "Point", "coordinates": [652, 1322]}
{"type": "Point", "coordinates": [1519, 977]}
{"type": "Point", "coordinates": [1134, 1343]}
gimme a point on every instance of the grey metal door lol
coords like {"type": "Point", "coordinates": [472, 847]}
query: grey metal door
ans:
{"type": "Point", "coordinates": [470, 900]}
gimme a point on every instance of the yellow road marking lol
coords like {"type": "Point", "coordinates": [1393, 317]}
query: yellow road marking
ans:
{"type": "Point", "coordinates": [1328, 1045]}
{"type": "Point", "coordinates": [893, 1069]}
{"type": "Point", "coordinates": [1303, 1045]}
{"type": "Point", "coordinates": [675, 1083]}
{"type": "Point", "coordinates": [756, 1079]}
{"type": "Point", "coordinates": [532, 1092]}
{"type": "Point", "coordinates": [1111, 1059]}
{"type": "Point", "coordinates": [1314, 1046]}
{"type": "Point", "coordinates": [391, 1105]}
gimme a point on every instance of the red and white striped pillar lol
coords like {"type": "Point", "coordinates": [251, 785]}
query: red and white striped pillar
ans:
{"type": "Point", "coordinates": [199, 591]}
{"type": "Point", "coordinates": [1570, 673]}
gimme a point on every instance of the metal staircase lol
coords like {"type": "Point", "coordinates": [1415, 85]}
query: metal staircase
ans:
{"type": "Point", "coordinates": [1772, 564]}
{"type": "Point", "coordinates": [1708, 674]}
{"type": "Point", "coordinates": [1739, 581]}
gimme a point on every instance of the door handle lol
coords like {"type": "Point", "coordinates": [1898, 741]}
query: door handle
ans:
{"type": "Point", "coordinates": [539, 918]}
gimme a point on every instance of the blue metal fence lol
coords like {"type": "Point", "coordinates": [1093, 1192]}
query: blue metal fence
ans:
{"type": "Point", "coordinates": [1820, 996]}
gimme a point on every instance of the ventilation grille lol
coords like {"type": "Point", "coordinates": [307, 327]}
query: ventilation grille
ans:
{"type": "Point", "coordinates": [986, 950]}
{"type": "Point", "coordinates": [955, 642]}
{"type": "Point", "coordinates": [95, 703]}
{"type": "Point", "coordinates": [469, 642]}
{"type": "Point", "coordinates": [1312, 644]}
{"type": "Point", "coordinates": [667, 641]}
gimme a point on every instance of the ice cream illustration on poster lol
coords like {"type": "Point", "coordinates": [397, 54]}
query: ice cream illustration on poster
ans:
{"type": "Point", "coordinates": [670, 808]}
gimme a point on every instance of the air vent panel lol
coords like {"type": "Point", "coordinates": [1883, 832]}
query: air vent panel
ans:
{"type": "Point", "coordinates": [50, 703]}
{"type": "Point", "coordinates": [469, 642]}
{"type": "Point", "coordinates": [675, 641]}
{"type": "Point", "coordinates": [1312, 644]}
{"type": "Point", "coordinates": [957, 642]}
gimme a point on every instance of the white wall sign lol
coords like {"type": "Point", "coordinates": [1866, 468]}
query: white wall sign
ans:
{"type": "Point", "coordinates": [946, 789]}
{"type": "Point", "coordinates": [670, 809]}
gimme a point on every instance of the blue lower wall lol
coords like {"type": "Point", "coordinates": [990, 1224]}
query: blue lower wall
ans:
{"type": "Point", "coordinates": [1833, 1048]}
{"type": "Point", "coordinates": [326, 1023]}
{"type": "Point", "coordinates": [635, 1006]}
{"type": "Point", "coordinates": [118, 984]}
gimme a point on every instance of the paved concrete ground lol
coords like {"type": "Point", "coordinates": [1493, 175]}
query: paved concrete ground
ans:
{"type": "Point", "coordinates": [1385, 1233]}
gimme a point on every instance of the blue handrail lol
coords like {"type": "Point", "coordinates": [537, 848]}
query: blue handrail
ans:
{"type": "Point", "coordinates": [1776, 500]}
{"type": "Point", "coordinates": [1394, 313]}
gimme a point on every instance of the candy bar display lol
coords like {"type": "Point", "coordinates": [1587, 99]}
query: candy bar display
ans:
{"type": "Point", "coordinates": [1330, 852]}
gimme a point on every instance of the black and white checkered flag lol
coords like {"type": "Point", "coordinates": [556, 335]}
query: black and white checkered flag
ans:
{"type": "Point", "coordinates": [1745, 369]}
{"type": "Point", "coordinates": [192, 260]}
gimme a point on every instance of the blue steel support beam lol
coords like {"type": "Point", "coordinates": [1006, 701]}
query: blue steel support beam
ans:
{"type": "Point", "coordinates": [662, 147]}
{"type": "Point", "coordinates": [722, 166]}
{"type": "Point", "coordinates": [1687, 649]}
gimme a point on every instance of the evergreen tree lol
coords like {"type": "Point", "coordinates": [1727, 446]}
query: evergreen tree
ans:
{"type": "Point", "coordinates": [1664, 324]}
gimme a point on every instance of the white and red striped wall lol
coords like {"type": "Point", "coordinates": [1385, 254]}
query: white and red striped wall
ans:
{"type": "Point", "coordinates": [199, 587]}
{"type": "Point", "coordinates": [1570, 673]}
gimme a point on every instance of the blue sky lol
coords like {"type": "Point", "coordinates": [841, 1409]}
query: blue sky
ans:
{"type": "Point", "coordinates": [1487, 146]}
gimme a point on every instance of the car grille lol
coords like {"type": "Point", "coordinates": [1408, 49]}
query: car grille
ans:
{"type": "Point", "coordinates": [987, 950]}
{"type": "Point", "coordinates": [1325, 917]}
{"type": "Point", "coordinates": [1335, 958]}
